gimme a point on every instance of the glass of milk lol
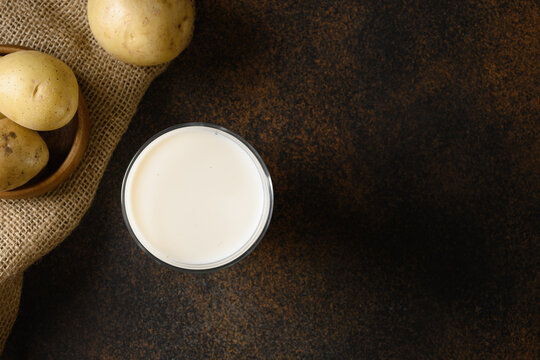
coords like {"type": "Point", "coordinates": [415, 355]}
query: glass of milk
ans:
{"type": "Point", "coordinates": [197, 197]}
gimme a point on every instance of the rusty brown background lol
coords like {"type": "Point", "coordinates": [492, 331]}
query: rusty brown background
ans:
{"type": "Point", "coordinates": [403, 142]}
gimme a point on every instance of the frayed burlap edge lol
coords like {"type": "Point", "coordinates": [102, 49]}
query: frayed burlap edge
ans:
{"type": "Point", "coordinates": [31, 228]}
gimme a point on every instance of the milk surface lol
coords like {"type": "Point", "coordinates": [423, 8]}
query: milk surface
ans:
{"type": "Point", "coordinates": [196, 196]}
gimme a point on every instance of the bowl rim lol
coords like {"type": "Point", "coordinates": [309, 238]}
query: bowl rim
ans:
{"type": "Point", "coordinates": [72, 160]}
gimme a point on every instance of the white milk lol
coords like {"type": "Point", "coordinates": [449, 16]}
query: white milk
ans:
{"type": "Point", "coordinates": [197, 198]}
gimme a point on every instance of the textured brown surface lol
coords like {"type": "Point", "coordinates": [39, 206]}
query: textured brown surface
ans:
{"type": "Point", "coordinates": [403, 145]}
{"type": "Point", "coordinates": [31, 228]}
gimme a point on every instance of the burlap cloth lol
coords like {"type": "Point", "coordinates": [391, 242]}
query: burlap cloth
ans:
{"type": "Point", "coordinates": [31, 228]}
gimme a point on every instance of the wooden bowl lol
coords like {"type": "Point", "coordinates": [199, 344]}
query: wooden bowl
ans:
{"type": "Point", "coordinates": [66, 149]}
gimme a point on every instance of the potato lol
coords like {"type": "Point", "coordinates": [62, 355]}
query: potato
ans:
{"type": "Point", "coordinates": [142, 32]}
{"type": "Point", "coordinates": [37, 90]}
{"type": "Point", "coordinates": [23, 154]}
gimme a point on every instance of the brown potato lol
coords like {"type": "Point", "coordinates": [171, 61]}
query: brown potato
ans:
{"type": "Point", "coordinates": [37, 90]}
{"type": "Point", "coordinates": [142, 32]}
{"type": "Point", "coordinates": [23, 154]}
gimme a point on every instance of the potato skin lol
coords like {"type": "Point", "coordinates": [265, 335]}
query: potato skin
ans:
{"type": "Point", "coordinates": [142, 32]}
{"type": "Point", "coordinates": [37, 90]}
{"type": "Point", "coordinates": [23, 154]}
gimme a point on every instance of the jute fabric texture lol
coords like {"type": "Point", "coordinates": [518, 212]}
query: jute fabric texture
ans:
{"type": "Point", "coordinates": [31, 228]}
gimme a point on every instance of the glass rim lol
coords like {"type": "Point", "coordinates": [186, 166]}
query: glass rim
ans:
{"type": "Point", "coordinates": [269, 190]}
